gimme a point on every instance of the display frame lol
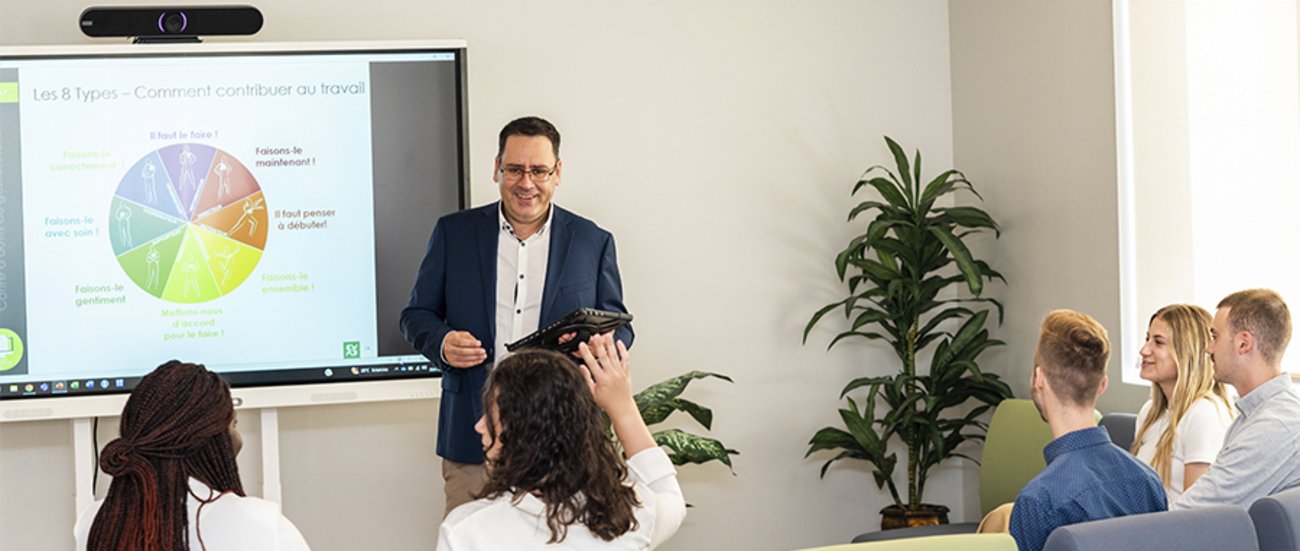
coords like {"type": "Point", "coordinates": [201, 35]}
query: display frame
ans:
{"type": "Point", "coordinates": [379, 382]}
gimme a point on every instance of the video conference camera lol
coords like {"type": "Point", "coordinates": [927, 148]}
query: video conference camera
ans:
{"type": "Point", "coordinates": [170, 23]}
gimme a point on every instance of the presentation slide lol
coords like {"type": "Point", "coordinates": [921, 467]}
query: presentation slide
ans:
{"type": "Point", "coordinates": [215, 209]}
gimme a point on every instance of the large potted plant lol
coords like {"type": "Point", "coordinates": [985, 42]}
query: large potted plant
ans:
{"type": "Point", "coordinates": [904, 275]}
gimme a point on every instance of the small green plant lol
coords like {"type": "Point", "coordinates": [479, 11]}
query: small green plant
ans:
{"type": "Point", "coordinates": [903, 273]}
{"type": "Point", "coordinates": [660, 400]}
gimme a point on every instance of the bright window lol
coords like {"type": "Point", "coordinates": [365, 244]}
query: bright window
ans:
{"type": "Point", "coordinates": [1208, 113]}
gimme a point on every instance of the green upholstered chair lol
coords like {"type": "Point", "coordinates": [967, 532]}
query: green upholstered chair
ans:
{"type": "Point", "coordinates": [951, 542]}
{"type": "Point", "coordinates": [1013, 452]}
{"type": "Point", "coordinates": [1013, 455]}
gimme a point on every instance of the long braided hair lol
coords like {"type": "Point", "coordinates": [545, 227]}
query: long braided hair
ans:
{"type": "Point", "coordinates": [555, 445]}
{"type": "Point", "coordinates": [175, 425]}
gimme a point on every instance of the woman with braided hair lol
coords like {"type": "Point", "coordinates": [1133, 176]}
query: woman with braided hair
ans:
{"type": "Point", "coordinates": [555, 479]}
{"type": "Point", "coordinates": [175, 482]}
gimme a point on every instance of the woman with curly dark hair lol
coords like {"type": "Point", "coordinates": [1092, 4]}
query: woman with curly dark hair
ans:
{"type": "Point", "coordinates": [555, 478]}
{"type": "Point", "coordinates": [175, 482]}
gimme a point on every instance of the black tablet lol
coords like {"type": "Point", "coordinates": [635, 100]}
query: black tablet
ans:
{"type": "Point", "coordinates": [585, 322]}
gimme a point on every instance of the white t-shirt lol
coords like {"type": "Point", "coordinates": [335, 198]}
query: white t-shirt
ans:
{"type": "Point", "coordinates": [1198, 439]}
{"type": "Point", "coordinates": [489, 525]}
{"type": "Point", "coordinates": [230, 523]}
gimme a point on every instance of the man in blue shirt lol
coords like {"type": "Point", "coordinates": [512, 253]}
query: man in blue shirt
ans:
{"type": "Point", "coordinates": [1087, 477]}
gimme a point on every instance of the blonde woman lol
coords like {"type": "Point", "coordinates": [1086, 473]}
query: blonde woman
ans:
{"type": "Point", "coordinates": [1181, 428]}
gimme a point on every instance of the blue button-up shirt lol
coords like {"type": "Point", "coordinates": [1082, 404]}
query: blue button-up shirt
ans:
{"type": "Point", "coordinates": [1087, 478]}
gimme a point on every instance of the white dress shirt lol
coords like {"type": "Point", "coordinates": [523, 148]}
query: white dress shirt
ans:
{"type": "Point", "coordinates": [490, 525]}
{"type": "Point", "coordinates": [231, 523]}
{"type": "Point", "coordinates": [521, 276]}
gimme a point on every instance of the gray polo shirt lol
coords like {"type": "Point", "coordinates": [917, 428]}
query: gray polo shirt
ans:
{"type": "Point", "coordinates": [1261, 453]}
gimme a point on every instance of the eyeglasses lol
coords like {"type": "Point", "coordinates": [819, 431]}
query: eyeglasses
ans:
{"type": "Point", "coordinates": [538, 174]}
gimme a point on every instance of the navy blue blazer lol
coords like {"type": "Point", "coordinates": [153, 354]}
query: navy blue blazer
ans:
{"type": "Point", "coordinates": [456, 291]}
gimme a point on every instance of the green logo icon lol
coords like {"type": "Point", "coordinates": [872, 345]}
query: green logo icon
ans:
{"type": "Point", "coordinates": [351, 350]}
{"type": "Point", "coordinates": [11, 349]}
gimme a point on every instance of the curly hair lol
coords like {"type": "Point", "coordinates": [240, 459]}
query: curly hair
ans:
{"type": "Point", "coordinates": [175, 425]}
{"type": "Point", "coordinates": [555, 444]}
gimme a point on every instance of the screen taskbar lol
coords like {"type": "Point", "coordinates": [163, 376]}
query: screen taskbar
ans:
{"type": "Point", "coordinates": [238, 379]}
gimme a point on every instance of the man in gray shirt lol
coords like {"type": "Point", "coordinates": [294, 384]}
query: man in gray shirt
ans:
{"type": "Point", "coordinates": [1261, 452]}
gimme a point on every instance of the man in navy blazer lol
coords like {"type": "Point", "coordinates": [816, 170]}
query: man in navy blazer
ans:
{"type": "Point", "coordinates": [496, 273]}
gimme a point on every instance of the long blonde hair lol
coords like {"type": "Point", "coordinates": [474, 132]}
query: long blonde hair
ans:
{"type": "Point", "coordinates": [1189, 328]}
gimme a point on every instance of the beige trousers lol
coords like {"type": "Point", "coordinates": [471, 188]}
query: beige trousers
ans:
{"type": "Point", "coordinates": [460, 481]}
{"type": "Point", "coordinates": [998, 520]}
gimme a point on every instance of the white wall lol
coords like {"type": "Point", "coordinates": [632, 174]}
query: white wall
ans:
{"type": "Point", "coordinates": [718, 141]}
{"type": "Point", "coordinates": [1034, 128]}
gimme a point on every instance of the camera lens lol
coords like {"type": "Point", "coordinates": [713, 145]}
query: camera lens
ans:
{"type": "Point", "coordinates": [173, 23]}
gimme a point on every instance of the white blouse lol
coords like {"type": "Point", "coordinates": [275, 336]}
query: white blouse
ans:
{"type": "Point", "coordinates": [1198, 439]}
{"type": "Point", "coordinates": [499, 524]}
{"type": "Point", "coordinates": [230, 523]}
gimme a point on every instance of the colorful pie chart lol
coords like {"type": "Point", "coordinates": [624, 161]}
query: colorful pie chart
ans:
{"type": "Point", "coordinates": [188, 223]}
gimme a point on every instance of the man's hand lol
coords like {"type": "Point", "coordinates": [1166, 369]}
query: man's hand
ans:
{"type": "Point", "coordinates": [462, 350]}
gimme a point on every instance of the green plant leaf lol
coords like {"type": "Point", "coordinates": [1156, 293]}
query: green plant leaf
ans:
{"type": "Point", "coordinates": [870, 295]}
{"type": "Point", "coordinates": [659, 412]}
{"type": "Point", "coordinates": [842, 455]}
{"type": "Point", "coordinates": [685, 447]}
{"type": "Point", "coordinates": [871, 315]}
{"type": "Point", "coordinates": [847, 334]}
{"type": "Point", "coordinates": [938, 187]}
{"type": "Point", "coordinates": [891, 191]}
{"type": "Point", "coordinates": [895, 249]}
{"type": "Point", "coordinates": [661, 392]}
{"type": "Point", "coordinates": [916, 177]}
{"type": "Point", "coordinates": [818, 316]}
{"type": "Point", "coordinates": [831, 438]}
{"type": "Point", "coordinates": [963, 258]}
{"type": "Point", "coordinates": [950, 313]}
{"type": "Point", "coordinates": [864, 381]}
{"type": "Point", "coordinates": [859, 426]}
{"type": "Point", "coordinates": [969, 217]}
{"type": "Point", "coordinates": [875, 269]}
{"type": "Point", "coordinates": [949, 350]}
{"type": "Point", "coordinates": [868, 205]}
{"type": "Point", "coordinates": [900, 160]}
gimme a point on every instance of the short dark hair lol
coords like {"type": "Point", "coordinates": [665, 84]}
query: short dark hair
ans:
{"type": "Point", "coordinates": [1265, 315]}
{"type": "Point", "coordinates": [1073, 350]}
{"type": "Point", "coordinates": [529, 126]}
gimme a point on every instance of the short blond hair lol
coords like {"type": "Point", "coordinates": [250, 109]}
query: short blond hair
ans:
{"type": "Point", "coordinates": [1264, 314]}
{"type": "Point", "coordinates": [1073, 350]}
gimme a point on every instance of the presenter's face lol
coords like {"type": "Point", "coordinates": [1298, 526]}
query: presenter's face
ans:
{"type": "Point", "coordinates": [527, 174]}
{"type": "Point", "coordinates": [1158, 363]}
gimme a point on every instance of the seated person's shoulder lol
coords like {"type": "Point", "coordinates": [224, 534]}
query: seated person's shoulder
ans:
{"type": "Point", "coordinates": [243, 511]}
{"type": "Point", "coordinates": [1144, 411]}
{"type": "Point", "coordinates": [1206, 412]}
{"type": "Point", "coordinates": [468, 512]}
